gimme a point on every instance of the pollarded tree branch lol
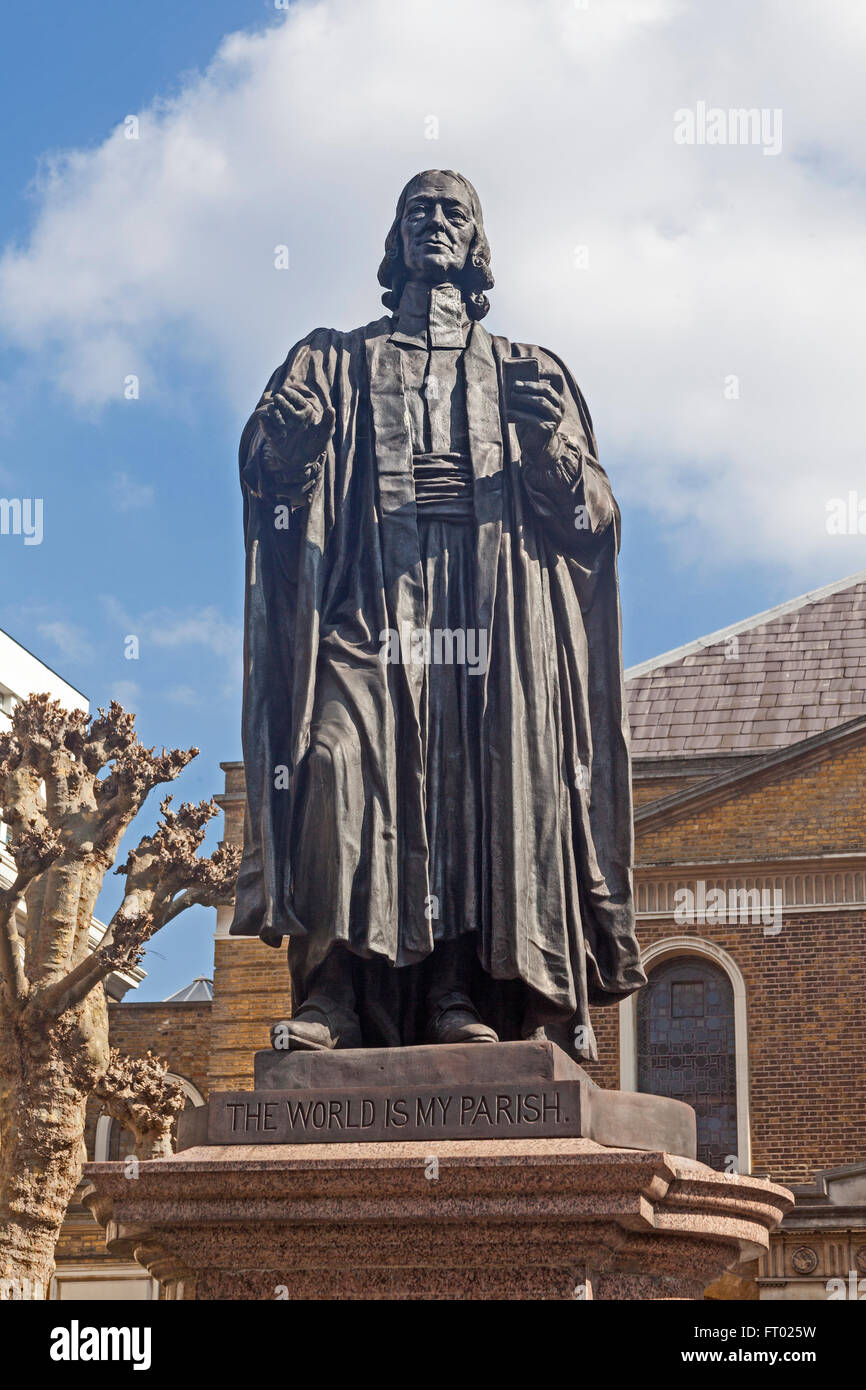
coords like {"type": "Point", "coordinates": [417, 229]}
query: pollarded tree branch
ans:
{"type": "Point", "coordinates": [51, 761]}
{"type": "Point", "coordinates": [33, 845]}
{"type": "Point", "coordinates": [167, 863]}
{"type": "Point", "coordinates": [164, 876]}
{"type": "Point", "coordinates": [12, 974]}
{"type": "Point", "coordinates": [34, 848]}
{"type": "Point", "coordinates": [137, 1094]}
{"type": "Point", "coordinates": [69, 787]}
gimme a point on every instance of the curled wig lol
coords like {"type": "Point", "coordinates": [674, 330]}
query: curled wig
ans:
{"type": "Point", "coordinates": [476, 276]}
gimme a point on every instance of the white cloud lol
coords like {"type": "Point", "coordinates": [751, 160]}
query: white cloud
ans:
{"type": "Point", "coordinates": [70, 640]}
{"type": "Point", "coordinates": [127, 495]}
{"type": "Point", "coordinates": [204, 627]}
{"type": "Point", "coordinates": [155, 255]}
{"type": "Point", "coordinates": [184, 695]}
{"type": "Point", "coordinates": [126, 693]}
{"type": "Point", "coordinates": [173, 628]}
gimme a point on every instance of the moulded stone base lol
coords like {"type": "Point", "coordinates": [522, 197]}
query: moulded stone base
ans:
{"type": "Point", "coordinates": [427, 1094]}
{"type": "Point", "coordinates": [492, 1219]}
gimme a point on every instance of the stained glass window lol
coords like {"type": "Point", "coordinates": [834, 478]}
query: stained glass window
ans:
{"type": "Point", "coordinates": [686, 1049]}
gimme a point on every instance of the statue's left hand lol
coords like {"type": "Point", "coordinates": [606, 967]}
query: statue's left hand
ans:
{"type": "Point", "coordinates": [537, 410]}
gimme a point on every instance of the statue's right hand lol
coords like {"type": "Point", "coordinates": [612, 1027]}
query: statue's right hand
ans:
{"type": "Point", "coordinates": [293, 421]}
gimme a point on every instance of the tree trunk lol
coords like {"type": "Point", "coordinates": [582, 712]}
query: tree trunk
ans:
{"type": "Point", "coordinates": [67, 819]}
{"type": "Point", "coordinates": [44, 1076]}
{"type": "Point", "coordinates": [42, 1123]}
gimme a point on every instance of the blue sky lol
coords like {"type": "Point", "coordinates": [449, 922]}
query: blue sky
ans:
{"type": "Point", "coordinates": [702, 264]}
{"type": "Point", "coordinates": [105, 554]}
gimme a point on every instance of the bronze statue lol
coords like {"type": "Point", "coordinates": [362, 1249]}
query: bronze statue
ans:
{"type": "Point", "coordinates": [435, 740]}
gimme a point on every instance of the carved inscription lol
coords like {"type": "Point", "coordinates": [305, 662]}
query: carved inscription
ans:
{"type": "Point", "coordinates": [407, 1113]}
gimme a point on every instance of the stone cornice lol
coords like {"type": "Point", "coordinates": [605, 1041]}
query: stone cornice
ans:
{"type": "Point", "coordinates": [833, 883]}
{"type": "Point", "coordinates": [731, 784]}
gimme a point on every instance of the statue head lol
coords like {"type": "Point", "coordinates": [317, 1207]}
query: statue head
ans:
{"type": "Point", "coordinates": [438, 235]}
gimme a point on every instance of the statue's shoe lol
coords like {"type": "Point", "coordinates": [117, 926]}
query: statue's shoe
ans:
{"type": "Point", "coordinates": [454, 1019]}
{"type": "Point", "coordinates": [321, 1027]}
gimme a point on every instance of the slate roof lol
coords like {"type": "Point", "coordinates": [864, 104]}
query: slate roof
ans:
{"type": "Point", "coordinates": [770, 681]}
{"type": "Point", "coordinates": [198, 991]}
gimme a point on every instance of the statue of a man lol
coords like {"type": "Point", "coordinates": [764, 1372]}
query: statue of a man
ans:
{"type": "Point", "coordinates": [435, 739]}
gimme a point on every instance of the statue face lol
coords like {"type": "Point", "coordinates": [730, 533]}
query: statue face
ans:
{"type": "Point", "coordinates": [436, 229]}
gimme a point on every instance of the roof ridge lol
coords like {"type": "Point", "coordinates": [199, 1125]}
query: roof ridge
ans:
{"type": "Point", "coordinates": [712, 639]}
{"type": "Point", "coordinates": [27, 651]}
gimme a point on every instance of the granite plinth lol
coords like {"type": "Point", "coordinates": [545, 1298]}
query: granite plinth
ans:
{"type": "Point", "coordinates": [471, 1063]}
{"type": "Point", "coordinates": [429, 1094]}
{"type": "Point", "coordinates": [514, 1219]}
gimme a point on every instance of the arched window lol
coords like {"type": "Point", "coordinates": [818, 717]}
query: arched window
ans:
{"type": "Point", "coordinates": [686, 1049]}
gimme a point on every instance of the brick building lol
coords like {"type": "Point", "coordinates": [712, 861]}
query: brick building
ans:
{"type": "Point", "coordinates": [749, 751]}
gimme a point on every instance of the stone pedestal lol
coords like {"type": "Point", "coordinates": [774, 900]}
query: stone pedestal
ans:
{"type": "Point", "coordinates": [469, 1219]}
{"type": "Point", "coordinates": [474, 1172]}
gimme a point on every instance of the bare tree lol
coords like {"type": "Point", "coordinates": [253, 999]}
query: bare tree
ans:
{"type": "Point", "coordinates": [70, 785]}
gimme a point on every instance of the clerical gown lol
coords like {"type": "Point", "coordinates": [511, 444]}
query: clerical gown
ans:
{"type": "Point", "coordinates": [393, 802]}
